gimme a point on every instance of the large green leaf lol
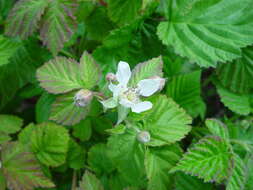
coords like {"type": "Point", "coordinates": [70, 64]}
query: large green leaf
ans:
{"type": "Point", "coordinates": [158, 161]}
{"type": "Point", "coordinates": [24, 17]}
{"type": "Point", "coordinates": [7, 49]}
{"type": "Point", "coordinates": [90, 182]}
{"type": "Point", "coordinates": [89, 71]}
{"type": "Point", "coordinates": [185, 90]}
{"type": "Point", "coordinates": [238, 178]}
{"type": "Point", "coordinates": [208, 31]}
{"type": "Point", "coordinates": [128, 156]}
{"type": "Point", "coordinates": [21, 169]}
{"type": "Point", "coordinates": [59, 75]}
{"type": "Point", "coordinates": [10, 124]}
{"type": "Point", "coordinates": [217, 128]}
{"type": "Point", "coordinates": [209, 159]}
{"type": "Point", "coordinates": [49, 142]}
{"type": "Point", "coordinates": [65, 111]}
{"type": "Point", "coordinates": [58, 24]}
{"type": "Point", "coordinates": [238, 103]}
{"type": "Point", "coordinates": [237, 76]}
{"type": "Point", "coordinates": [98, 159]}
{"type": "Point", "coordinates": [150, 68]}
{"type": "Point", "coordinates": [83, 130]}
{"type": "Point", "coordinates": [166, 122]}
{"type": "Point", "coordinates": [124, 11]}
{"type": "Point", "coordinates": [75, 156]}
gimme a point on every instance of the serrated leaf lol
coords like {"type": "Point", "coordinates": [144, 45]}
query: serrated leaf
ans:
{"type": "Point", "coordinates": [238, 178]}
{"type": "Point", "coordinates": [208, 31]}
{"type": "Point", "coordinates": [128, 156]}
{"type": "Point", "coordinates": [43, 107]}
{"type": "Point", "coordinates": [146, 70]}
{"type": "Point", "coordinates": [185, 90]}
{"type": "Point", "coordinates": [82, 130]}
{"type": "Point", "coordinates": [209, 159]}
{"type": "Point", "coordinates": [65, 111]}
{"type": "Point", "coordinates": [217, 128]}
{"type": "Point", "coordinates": [7, 49]}
{"type": "Point", "coordinates": [4, 138]}
{"type": "Point", "coordinates": [24, 136]}
{"type": "Point", "coordinates": [166, 122]}
{"type": "Point", "coordinates": [158, 161]}
{"type": "Point", "coordinates": [49, 142]}
{"type": "Point", "coordinates": [124, 11]}
{"type": "Point", "coordinates": [89, 71]}
{"type": "Point", "coordinates": [239, 104]}
{"type": "Point", "coordinates": [24, 17]}
{"type": "Point", "coordinates": [59, 75]}
{"type": "Point", "coordinates": [20, 168]}
{"type": "Point", "coordinates": [75, 155]}
{"type": "Point", "coordinates": [237, 76]}
{"type": "Point", "coordinates": [58, 24]}
{"type": "Point", "coordinates": [249, 177]}
{"type": "Point", "coordinates": [90, 182]}
{"type": "Point", "coordinates": [98, 159]}
{"type": "Point", "coordinates": [187, 182]}
{"type": "Point", "coordinates": [10, 124]}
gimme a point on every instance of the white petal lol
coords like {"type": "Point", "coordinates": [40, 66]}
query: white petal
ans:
{"type": "Point", "coordinates": [123, 73]}
{"type": "Point", "coordinates": [141, 107]}
{"type": "Point", "coordinates": [126, 103]}
{"type": "Point", "coordinates": [109, 103]}
{"type": "Point", "coordinates": [147, 87]}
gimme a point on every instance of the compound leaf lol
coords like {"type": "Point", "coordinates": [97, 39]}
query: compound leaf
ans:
{"type": "Point", "coordinates": [208, 31]}
{"type": "Point", "coordinates": [49, 142]}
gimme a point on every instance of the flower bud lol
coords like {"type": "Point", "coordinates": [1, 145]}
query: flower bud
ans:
{"type": "Point", "coordinates": [111, 77]}
{"type": "Point", "coordinates": [161, 80]}
{"type": "Point", "coordinates": [83, 98]}
{"type": "Point", "coordinates": [143, 136]}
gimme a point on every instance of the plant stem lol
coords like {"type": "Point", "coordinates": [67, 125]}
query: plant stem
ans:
{"type": "Point", "coordinates": [74, 181]}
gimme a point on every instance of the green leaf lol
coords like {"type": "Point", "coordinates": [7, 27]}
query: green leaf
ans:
{"type": "Point", "coordinates": [65, 111]}
{"type": "Point", "coordinates": [75, 155]}
{"type": "Point", "coordinates": [43, 107]}
{"type": "Point", "coordinates": [237, 103]}
{"type": "Point", "coordinates": [90, 182]}
{"type": "Point", "coordinates": [146, 70]}
{"type": "Point", "coordinates": [89, 71]}
{"type": "Point", "coordinates": [10, 124]}
{"type": "Point", "coordinates": [185, 90]}
{"type": "Point", "coordinates": [98, 159]}
{"type": "Point", "coordinates": [158, 161]}
{"type": "Point", "coordinates": [249, 180]}
{"type": "Point", "coordinates": [166, 122]}
{"type": "Point", "coordinates": [187, 182]}
{"type": "Point", "coordinates": [238, 178]}
{"type": "Point", "coordinates": [24, 136]}
{"type": "Point", "coordinates": [7, 49]}
{"type": "Point", "coordinates": [82, 130]}
{"type": "Point", "coordinates": [208, 31]}
{"type": "Point", "coordinates": [58, 24]}
{"type": "Point", "coordinates": [59, 75]}
{"type": "Point", "coordinates": [124, 11]}
{"type": "Point", "coordinates": [217, 128]}
{"type": "Point", "coordinates": [24, 17]}
{"type": "Point", "coordinates": [21, 169]}
{"type": "Point", "coordinates": [237, 76]}
{"type": "Point", "coordinates": [128, 156]}
{"type": "Point", "coordinates": [209, 159]}
{"type": "Point", "coordinates": [4, 138]}
{"type": "Point", "coordinates": [49, 142]}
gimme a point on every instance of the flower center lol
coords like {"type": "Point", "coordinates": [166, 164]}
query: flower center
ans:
{"type": "Point", "coordinates": [132, 95]}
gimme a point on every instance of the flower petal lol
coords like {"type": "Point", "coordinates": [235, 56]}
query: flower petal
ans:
{"type": "Point", "coordinates": [141, 107]}
{"type": "Point", "coordinates": [126, 103]}
{"type": "Point", "coordinates": [147, 87]}
{"type": "Point", "coordinates": [123, 73]}
{"type": "Point", "coordinates": [109, 103]}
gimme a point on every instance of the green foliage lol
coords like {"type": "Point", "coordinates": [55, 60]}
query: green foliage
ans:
{"type": "Point", "coordinates": [49, 142]}
{"type": "Point", "coordinates": [15, 160]}
{"type": "Point", "coordinates": [208, 32]}
{"type": "Point", "coordinates": [75, 156]}
{"type": "Point", "coordinates": [82, 130]}
{"type": "Point", "coordinates": [217, 128]}
{"type": "Point", "coordinates": [90, 182]}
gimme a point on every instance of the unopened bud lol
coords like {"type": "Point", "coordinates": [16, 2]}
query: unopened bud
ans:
{"type": "Point", "coordinates": [111, 77]}
{"type": "Point", "coordinates": [83, 98]}
{"type": "Point", "coordinates": [143, 136]}
{"type": "Point", "coordinates": [162, 81]}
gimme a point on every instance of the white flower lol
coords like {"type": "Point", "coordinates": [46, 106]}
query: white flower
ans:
{"type": "Point", "coordinates": [131, 97]}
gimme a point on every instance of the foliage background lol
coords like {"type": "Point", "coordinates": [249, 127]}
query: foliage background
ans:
{"type": "Point", "coordinates": [207, 55]}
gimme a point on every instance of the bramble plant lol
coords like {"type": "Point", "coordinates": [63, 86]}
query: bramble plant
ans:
{"type": "Point", "coordinates": [126, 94]}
